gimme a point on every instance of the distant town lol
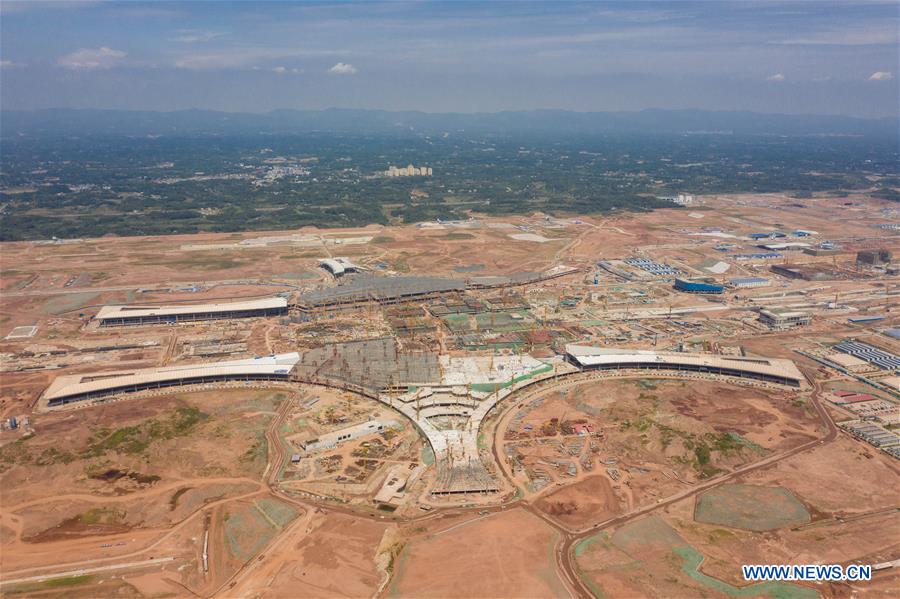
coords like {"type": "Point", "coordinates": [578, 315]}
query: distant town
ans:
{"type": "Point", "coordinates": [409, 171]}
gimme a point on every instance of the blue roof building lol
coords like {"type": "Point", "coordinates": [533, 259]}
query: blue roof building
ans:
{"type": "Point", "coordinates": [698, 286]}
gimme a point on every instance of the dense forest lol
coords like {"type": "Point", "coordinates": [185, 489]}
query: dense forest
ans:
{"type": "Point", "coordinates": [89, 186]}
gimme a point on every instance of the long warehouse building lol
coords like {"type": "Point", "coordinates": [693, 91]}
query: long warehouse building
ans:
{"type": "Point", "coordinates": [82, 387]}
{"type": "Point", "coordinates": [111, 316]}
{"type": "Point", "coordinates": [782, 372]}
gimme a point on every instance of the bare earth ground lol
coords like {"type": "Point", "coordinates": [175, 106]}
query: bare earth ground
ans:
{"type": "Point", "coordinates": [646, 431]}
{"type": "Point", "coordinates": [590, 500]}
{"type": "Point", "coordinates": [111, 475]}
{"type": "Point", "coordinates": [490, 565]}
{"type": "Point", "coordinates": [331, 555]}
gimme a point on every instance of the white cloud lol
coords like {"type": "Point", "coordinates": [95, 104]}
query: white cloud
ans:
{"type": "Point", "coordinates": [8, 64]}
{"type": "Point", "coordinates": [244, 58]}
{"type": "Point", "coordinates": [21, 6]}
{"type": "Point", "coordinates": [193, 36]}
{"type": "Point", "coordinates": [868, 34]}
{"type": "Point", "coordinates": [201, 62]}
{"type": "Point", "coordinates": [775, 77]}
{"type": "Point", "coordinates": [279, 70]}
{"type": "Point", "coordinates": [343, 68]}
{"type": "Point", "coordinates": [881, 76]}
{"type": "Point", "coordinates": [92, 58]}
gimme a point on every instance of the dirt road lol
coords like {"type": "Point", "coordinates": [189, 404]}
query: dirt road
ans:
{"type": "Point", "coordinates": [147, 562]}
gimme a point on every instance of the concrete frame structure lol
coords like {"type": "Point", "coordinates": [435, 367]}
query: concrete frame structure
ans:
{"type": "Point", "coordinates": [83, 387]}
{"type": "Point", "coordinates": [770, 370]}
{"type": "Point", "coordinates": [445, 397]}
{"type": "Point", "coordinates": [383, 290]}
{"type": "Point", "coordinates": [110, 316]}
{"type": "Point", "coordinates": [780, 320]}
{"type": "Point", "coordinates": [460, 469]}
{"type": "Point", "coordinates": [877, 257]}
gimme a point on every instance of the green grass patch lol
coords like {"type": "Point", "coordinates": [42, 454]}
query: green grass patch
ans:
{"type": "Point", "coordinates": [52, 455]}
{"type": "Point", "coordinates": [257, 450]}
{"type": "Point", "coordinates": [137, 438]}
{"type": "Point", "coordinates": [750, 507]}
{"type": "Point", "coordinates": [197, 262]}
{"type": "Point", "coordinates": [587, 409]}
{"type": "Point", "coordinates": [777, 590]}
{"type": "Point", "coordinates": [654, 533]}
{"type": "Point", "coordinates": [718, 534]}
{"type": "Point", "coordinates": [278, 512]}
{"type": "Point", "coordinates": [173, 501]}
{"type": "Point", "coordinates": [469, 268]}
{"type": "Point", "coordinates": [249, 530]}
{"type": "Point", "coordinates": [584, 544]}
{"type": "Point", "coordinates": [490, 387]}
{"type": "Point", "coordinates": [396, 564]}
{"type": "Point", "coordinates": [102, 515]}
{"type": "Point", "coordinates": [68, 581]}
{"type": "Point", "coordinates": [594, 323]}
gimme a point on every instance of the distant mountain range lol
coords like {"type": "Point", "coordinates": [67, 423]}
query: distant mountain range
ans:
{"type": "Point", "coordinates": [71, 122]}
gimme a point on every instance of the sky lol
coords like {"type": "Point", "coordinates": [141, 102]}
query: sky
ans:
{"type": "Point", "coordinates": [808, 57]}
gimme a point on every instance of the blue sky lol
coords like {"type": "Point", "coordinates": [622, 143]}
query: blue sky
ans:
{"type": "Point", "coordinates": [824, 57]}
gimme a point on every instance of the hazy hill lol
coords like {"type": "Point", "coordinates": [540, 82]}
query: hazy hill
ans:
{"type": "Point", "coordinates": [69, 122]}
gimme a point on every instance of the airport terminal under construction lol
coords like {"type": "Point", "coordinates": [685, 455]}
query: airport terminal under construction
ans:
{"type": "Point", "coordinates": [365, 288]}
{"type": "Point", "coordinates": [77, 388]}
{"type": "Point", "coordinates": [781, 372]}
{"type": "Point", "coordinates": [435, 378]}
{"type": "Point", "coordinates": [353, 290]}
{"type": "Point", "coordinates": [447, 398]}
{"type": "Point", "coordinates": [110, 316]}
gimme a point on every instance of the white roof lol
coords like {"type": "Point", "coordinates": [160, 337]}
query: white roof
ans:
{"type": "Point", "coordinates": [594, 356]}
{"type": "Point", "coordinates": [338, 266]}
{"type": "Point", "coordinates": [785, 245]}
{"type": "Point", "coordinates": [76, 384]}
{"type": "Point", "coordinates": [846, 360]}
{"type": "Point", "coordinates": [110, 312]}
{"type": "Point", "coordinates": [362, 428]}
